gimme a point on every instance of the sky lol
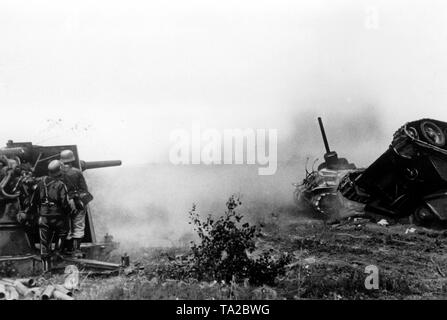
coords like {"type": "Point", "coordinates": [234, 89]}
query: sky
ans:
{"type": "Point", "coordinates": [116, 77]}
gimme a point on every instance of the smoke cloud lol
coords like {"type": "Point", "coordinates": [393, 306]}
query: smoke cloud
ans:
{"type": "Point", "coordinates": [117, 78]}
{"type": "Point", "coordinates": [147, 205]}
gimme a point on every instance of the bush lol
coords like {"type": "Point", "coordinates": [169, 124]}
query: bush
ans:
{"type": "Point", "coordinates": [224, 248]}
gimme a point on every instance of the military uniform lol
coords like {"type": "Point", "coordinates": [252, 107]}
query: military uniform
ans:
{"type": "Point", "coordinates": [50, 200]}
{"type": "Point", "coordinates": [77, 189]}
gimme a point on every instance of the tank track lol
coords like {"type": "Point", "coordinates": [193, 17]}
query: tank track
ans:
{"type": "Point", "coordinates": [349, 190]}
{"type": "Point", "coordinates": [322, 204]}
{"type": "Point", "coordinates": [327, 204]}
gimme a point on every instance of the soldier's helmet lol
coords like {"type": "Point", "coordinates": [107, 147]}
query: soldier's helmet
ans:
{"type": "Point", "coordinates": [67, 156]}
{"type": "Point", "coordinates": [54, 168]}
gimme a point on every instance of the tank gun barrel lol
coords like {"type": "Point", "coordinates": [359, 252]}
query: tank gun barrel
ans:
{"type": "Point", "coordinates": [323, 133]}
{"type": "Point", "coordinates": [86, 165]}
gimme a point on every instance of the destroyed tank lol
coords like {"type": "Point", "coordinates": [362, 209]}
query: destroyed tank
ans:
{"type": "Point", "coordinates": [318, 189]}
{"type": "Point", "coordinates": [409, 179]}
{"type": "Point", "coordinates": [21, 166]}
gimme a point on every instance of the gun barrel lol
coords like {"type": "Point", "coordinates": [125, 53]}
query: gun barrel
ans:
{"type": "Point", "coordinates": [86, 165]}
{"type": "Point", "coordinates": [12, 152]}
{"type": "Point", "coordinates": [323, 133]}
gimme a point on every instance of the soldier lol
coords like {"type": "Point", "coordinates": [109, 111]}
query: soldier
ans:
{"type": "Point", "coordinates": [3, 167]}
{"type": "Point", "coordinates": [50, 201]}
{"type": "Point", "coordinates": [78, 196]}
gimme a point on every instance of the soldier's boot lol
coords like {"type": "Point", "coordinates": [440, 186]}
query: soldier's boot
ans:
{"type": "Point", "coordinates": [61, 248]}
{"type": "Point", "coordinates": [63, 245]}
{"type": "Point", "coordinates": [77, 253]}
{"type": "Point", "coordinates": [46, 264]}
{"type": "Point", "coordinates": [68, 246]}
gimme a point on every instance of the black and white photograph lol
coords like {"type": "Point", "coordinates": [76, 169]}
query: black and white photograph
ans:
{"type": "Point", "coordinates": [238, 152]}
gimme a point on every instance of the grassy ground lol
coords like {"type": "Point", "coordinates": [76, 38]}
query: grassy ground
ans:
{"type": "Point", "coordinates": [327, 262]}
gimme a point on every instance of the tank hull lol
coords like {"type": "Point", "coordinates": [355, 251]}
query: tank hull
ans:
{"type": "Point", "coordinates": [319, 193]}
{"type": "Point", "coordinates": [319, 189]}
{"type": "Point", "coordinates": [409, 179]}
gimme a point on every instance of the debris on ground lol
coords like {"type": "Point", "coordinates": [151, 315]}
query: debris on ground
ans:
{"type": "Point", "coordinates": [410, 230]}
{"type": "Point", "coordinates": [33, 289]}
{"type": "Point", "coordinates": [71, 277]}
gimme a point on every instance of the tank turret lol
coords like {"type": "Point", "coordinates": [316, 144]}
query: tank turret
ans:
{"type": "Point", "coordinates": [319, 187]}
{"type": "Point", "coordinates": [331, 159]}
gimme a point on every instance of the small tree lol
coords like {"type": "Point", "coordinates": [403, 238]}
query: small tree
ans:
{"type": "Point", "coordinates": [224, 248]}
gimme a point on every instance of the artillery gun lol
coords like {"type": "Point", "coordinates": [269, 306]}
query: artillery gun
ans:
{"type": "Point", "coordinates": [318, 189]}
{"type": "Point", "coordinates": [21, 166]}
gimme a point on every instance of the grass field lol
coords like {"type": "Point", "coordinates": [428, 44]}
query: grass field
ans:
{"type": "Point", "coordinates": [327, 262]}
